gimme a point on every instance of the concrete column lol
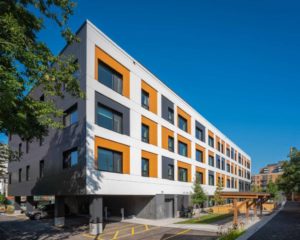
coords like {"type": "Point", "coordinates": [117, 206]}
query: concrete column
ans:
{"type": "Point", "coordinates": [96, 215]}
{"type": "Point", "coordinates": [29, 204]}
{"type": "Point", "coordinates": [17, 204]}
{"type": "Point", "coordinates": [59, 211]}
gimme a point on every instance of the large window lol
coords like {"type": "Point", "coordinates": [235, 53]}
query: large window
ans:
{"type": "Point", "coordinates": [218, 162]}
{"type": "Point", "coordinates": [71, 116]}
{"type": "Point", "coordinates": [228, 183]}
{"type": "Point", "coordinates": [145, 133]}
{"type": "Point", "coordinates": [70, 158]}
{"type": "Point", "coordinates": [182, 148]}
{"type": "Point", "coordinates": [170, 171]}
{"type": "Point", "coordinates": [182, 174]}
{"type": "Point", "coordinates": [227, 152]}
{"type": "Point", "coordinates": [223, 164]}
{"type": "Point", "coordinates": [110, 78]}
{"type": "Point", "coordinates": [42, 166]}
{"type": "Point", "coordinates": [211, 161]}
{"type": "Point", "coordinates": [109, 161]}
{"type": "Point", "coordinates": [171, 144]}
{"type": "Point", "coordinates": [145, 99]}
{"type": "Point", "coordinates": [182, 123]}
{"type": "Point", "coordinates": [199, 134]}
{"type": "Point", "coordinates": [199, 177]}
{"type": "Point", "coordinates": [199, 155]}
{"type": "Point", "coordinates": [109, 119]}
{"type": "Point", "coordinates": [211, 178]}
{"type": "Point", "coordinates": [211, 141]}
{"type": "Point", "coordinates": [27, 173]}
{"type": "Point", "coordinates": [170, 115]}
{"type": "Point", "coordinates": [228, 167]}
{"type": "Point", "coordinates": [145, 167]}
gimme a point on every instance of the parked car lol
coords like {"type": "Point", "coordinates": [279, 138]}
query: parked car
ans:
{"type": "Point", "coordinates": [43, 211]}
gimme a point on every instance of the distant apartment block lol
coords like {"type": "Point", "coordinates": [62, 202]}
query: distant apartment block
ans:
{"type": "Point", "coordinates": [131, 144]}
{"type": "Point", "coordinates": [266, 174]}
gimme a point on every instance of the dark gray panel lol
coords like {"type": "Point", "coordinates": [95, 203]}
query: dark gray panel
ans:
{"type": "Point", "coordinates": [99, 98]}
{"type": "Point", "coordinates": [165, 162]}
{"type": "Point", "coordinates": [202, 127]}
{"type": "Point", "coordinates": [165, 104]}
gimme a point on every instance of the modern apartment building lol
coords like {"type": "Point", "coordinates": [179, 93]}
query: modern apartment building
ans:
{"type": "Point", "coordinates": [131, 144]}
{"type": "Point", "coordinates": [3, 166]}
{"type": "Point", "coordinates": [266, 174]}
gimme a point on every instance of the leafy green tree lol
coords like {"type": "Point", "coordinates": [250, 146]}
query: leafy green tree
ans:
{"type": "Point", "coordinates": [272, 189]}
{"type": "Point", "coordinates": [27, 63]}
{"type": "Point", "coordinates": [198, 195]}
{"type": "Point", "coordinates": [290, 180]}
{"type": "Point", "coordinates": [217, 195]}
{"type": "Point", "coordinates": [255, 188]}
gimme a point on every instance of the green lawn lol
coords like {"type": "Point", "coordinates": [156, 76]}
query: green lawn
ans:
{"type": "Point", "coordinates": [206, 219]}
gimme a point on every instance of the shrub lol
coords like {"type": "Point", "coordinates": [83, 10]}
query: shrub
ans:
{"type": "Point", "coordinates": [231, 234]}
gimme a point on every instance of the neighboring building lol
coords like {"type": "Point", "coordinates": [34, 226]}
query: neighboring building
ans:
{"type": "Point", "coordinates": [132, 143]}
{"type": "Point", "coordinates": [266, 174]}
{"type": "Point", "coordinates": [3, 165]}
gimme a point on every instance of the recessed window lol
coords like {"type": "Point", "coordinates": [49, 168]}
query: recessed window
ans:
{"type": "Point", "coordinates": [199, 134]}
{"type": "Point", "coordinates": [223, 164]}
{"type": "Point", "coordinates": [227, 152]}
{"type": "Point", "coordinates": [182, 148]}
{"type": "Point", "coordinates": [27, 172]}
{"type": "Point", "coordinates": [228, 167]}
{"type": "Point", "coordinates": [182, 174]}
{"type": "Point", "coordinates": [199, 177]}
{"type": "Point", "coordinates": [20, 175]}
{"type": "Point", "coordinates": [233, 185]}
{"type": "Point", "coordinates": [211, 178]}
{"type": "Point", "coordinates": [145, 167]}
{"type": "Point", "coordinates": [70, 158]}
{"type": "Point", "coordinates": [199, 155]}
{"type": "Point", "coordinates": [219, 146]}
{"type": "Point", "coordinates": [42, 166]}
{"type": "Point", "coordinates": [20, 149]}
{"type": "Point", "coordinates": [109, 119]}
{"type": "Point", "coordinates": [211, 161]}
{"type": "Point", "coordinates": [170, 115]}
{"type": "Point", "coordinates": [71, 116]}
{"type": "Point", "coordinates": [109, 77]}
{"type": "Point", "coordinates": [211, 141]}
{"type": "Point", "coordinates": [228, 183]}
{"type": "Point", "coordinates": [145, 99]}
{"type": "Point", "coordinates": [218, 162]}
{"type": "Point", "coordinates": [170, 171]}
{"type": "Point", "coordinates": [109, 161]}
{"type": "Point", "coordinates": [9, 178]}
{"type": "Point", "coordinates": [145, 133]}
{"type": "Point", "coordinates": [182, 123]}
{"type": "Point", "coordinates": [222, 148]}
{"type": "Point", "coordinates": [171, 144]}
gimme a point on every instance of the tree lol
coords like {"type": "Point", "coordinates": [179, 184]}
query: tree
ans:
{"type": "Point", "coordinates": [272, 189]}
{"type": "Point", "coordinates": [289, 182]}
{"type": "Point", "coordinates": [217, 196]}
{"type": "Point", "coordinates": [27, 63]}
{"type": "Point", "coordinates": [198, 195]}
{"type": "Point", "coordinates": [255, 188]}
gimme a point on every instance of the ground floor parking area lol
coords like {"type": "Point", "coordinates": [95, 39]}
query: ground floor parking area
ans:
{"type": "Point", "coordinates": [20, 228]}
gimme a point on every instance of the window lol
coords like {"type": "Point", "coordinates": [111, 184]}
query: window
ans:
{"type": "Point", "coordinates": [199, 155]}
{"type": "Point", "coordinates": [170, 171]}
{"type": "Point", "coordinates": [9, 178]}
{"type": "Point", "coordinates": [228, 183]}
{"type": "Point", "coordinates": [110, 78]}
{"type": "Point", "coordinates": [71, 116]}
{"type": "Point", "coordinates": [223, 164]}
{"type": "Point", "coordinates": [199, 177]}
{"type": "Point", "coordinates": [182, 148]}
{"type": "Point", "coordinates": [70, 158]}
{"type": "Point", "coordinates": [171, 144]}
{"type": "Point", "coordinates": [145, 99]}
{"type": "Point", "coordinates": [232, 183]}
{"type": "Point", "coordinates": [218, 162]}
{"type": "Point", "coordinates": [228, 167]}
{"type": "Point", "coordinates": [227, 152]}
{"type": "Point", "coordinates": [199, 134]}
{"type": "Point", "coordinates": [171, 115]}
{"type": "Point", "coordinates": [109, 161]}
{"type": "Point", "coordinates": [145, 167]}
{"type": "Point", "coordinates": [211, 161]}
{"type": "Point", "coordinates": [222, 148]}
{"type": "Point", "coordinates": [42, 166]}
{"type": "Point", "coordinates": [27, 146]}
{"type": "Point", "coordinates": [27, 172]}
{"type": "Point", "coordinates": [145, 133]}
{"type": "Point", "coordinates": [211, 141]}
{"type": "Point", "coordinates": [20, 175]}
{"type": "Point", "coordinates": [109, 119]}
{"type": "Point", "coordinates": [219, 146]}
{"type": "Point", "coordinates": [182, 174]}
{"type": "Point", "coordinates": [182, 123]}
{"type": "Point", "coordinates": [211, 178]}
{"type": "Point", "coordinates": [20, 149]}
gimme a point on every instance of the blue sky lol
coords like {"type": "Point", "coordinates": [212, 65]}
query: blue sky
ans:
{"type": "Point", "coordinates": [236, 62]}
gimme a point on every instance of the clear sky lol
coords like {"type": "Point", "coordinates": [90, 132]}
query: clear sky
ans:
{"type": "Point", "coordinates": [236, 62]}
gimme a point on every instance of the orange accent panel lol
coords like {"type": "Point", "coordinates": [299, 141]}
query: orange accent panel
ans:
{"type": "Point", "coordinates": [186, 166]}
{"type": "Point", "coordinates": [152, 130]}
{"type": "Point", "coordinates": [166, 133]}
{"type": "Point", "coordinates": [202, 170]}
{"type": "Point", "coordinates": [187, 142]}
{"type": "Point", "coordinates": [186, 116]}
{"type": "Point", "coordinates": [111, 145]}
{"type": "Point", "coordinates": [210, 153]}
{"type": "Point", "coordinates": [198, 147]}
{"type": "Point", "coordinates": [217, 178]}
{"type": "Point", "coordinates": [211, 134]}
{"type": "Point", "coordinates": [152, 96]}
{"type": "Point", "coordinates": [152, 162]}
{"type": "Point", "coordinates": [107, 59]}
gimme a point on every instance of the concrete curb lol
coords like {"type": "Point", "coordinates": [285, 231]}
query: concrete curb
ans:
{"type": "Point", "coordinates": [256, 227]}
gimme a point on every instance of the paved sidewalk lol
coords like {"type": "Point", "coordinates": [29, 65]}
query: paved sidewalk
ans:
{"type": "Point", "coordinates": [284, 226]}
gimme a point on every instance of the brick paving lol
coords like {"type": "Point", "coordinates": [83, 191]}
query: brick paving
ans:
{"type": "Point", "coordinates": [284, 226]}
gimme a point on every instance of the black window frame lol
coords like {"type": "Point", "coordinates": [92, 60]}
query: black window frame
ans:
{"type": "Point", "coordinates": [211, 141]}
{"type": "Point", "coordinates": [171, 148]}
{"type": "Point", "coordinates": [147, 172]}
{"type": "Point", "coordinates": [67, 158]}
{"type": "Point", "coordinates": [68, 114]}
{"type": "Point", "coordinates": [145, 139]}
{"type": "Point", "coordinates": [211, 176]}
{"type": "Point", "coordinates": [209, 160]}
{"type": "Point", "coordinates": [180, 169]}
{"type": "Point", "coordinates": [114, 114]}
{"type": "Point", "coordinates": [115, 156]}
{"type": "Point", "coordinates": [170, 166]}
{"type": "Point", "coordinates": [20, 175]}
{"type": "Point", "coordinates": [143, 95]}
{"type": "Point", "coordinates": [170, 115]}
{"type": "Point", "coordinates": [181, 119]}
{"type": "Point", "coordinates": [27, 173]}
{"type": "Point", "coordinates": [197, 177]}
{"type": "Point", "coordinates": [186, 146]}
{"type": "Point", "coordinates": [199, 134]}
{"type": "Point", "coordinates": [41, 168]}
{"type": "Point", "coordinates": [201, 158]}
